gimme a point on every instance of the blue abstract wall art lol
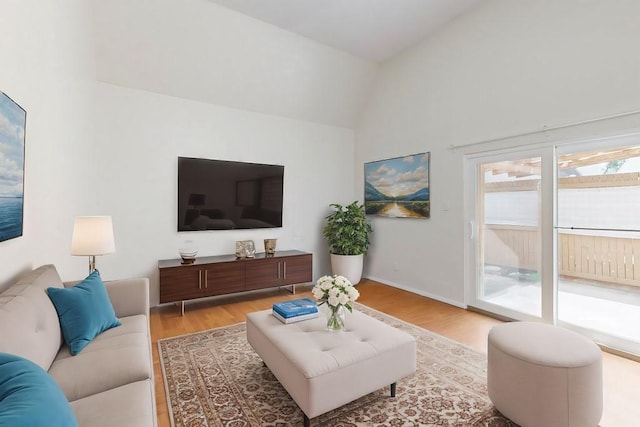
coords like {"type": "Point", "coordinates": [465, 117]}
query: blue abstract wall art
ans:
{"type": "Point", "coordinates": [12, 138]}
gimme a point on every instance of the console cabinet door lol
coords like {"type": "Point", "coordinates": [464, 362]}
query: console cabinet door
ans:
{"type": "Point", "coordinates": [180, 283]}
{"type": "Point", "coordinates": [296, 269]}
{"type": "Point", "coordinates": [224, 278]}
{"type": "Point", "coordinates": [278, 271]}
{"type": "Point", "coordinates": [263, 273]}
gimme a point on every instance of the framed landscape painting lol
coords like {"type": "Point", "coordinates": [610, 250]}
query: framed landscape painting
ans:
{"type": "Point", "coordinates": [12, 125]}
{"type": "Point", "coordinates": [398, 187]}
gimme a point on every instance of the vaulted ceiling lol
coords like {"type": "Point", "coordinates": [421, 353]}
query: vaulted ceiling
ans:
{"type": "Point", "coordinates": [311, 60]}
{"type": "Point", "coordinates": [375, 30]}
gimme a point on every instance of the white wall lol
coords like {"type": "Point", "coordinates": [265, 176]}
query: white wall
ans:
{"type": "Point", "coordinates": [192, 78]}
{"type": "Point", "coordinates": [47, 66]}
{"type": "Point", "coordinates": [198, 50]}
{"type": "Point", "coordinates": [139, 136]}
{"type": "Point", "coordinates": [505, 68]}
{"type": "Point", "coordinates": [97, 148]}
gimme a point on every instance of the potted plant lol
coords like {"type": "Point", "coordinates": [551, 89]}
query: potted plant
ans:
{"type": "Point", "coordinates": [347, 233]}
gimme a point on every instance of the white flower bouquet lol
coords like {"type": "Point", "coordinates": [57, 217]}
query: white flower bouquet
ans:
{"type": "Point", "coordinates": [338, 293]}
{"type": "Point", "coordinates": [335, 291]}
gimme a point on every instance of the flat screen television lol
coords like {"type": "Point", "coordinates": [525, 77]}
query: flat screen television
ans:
{"type": "Point", "coordinates": [227, 195]}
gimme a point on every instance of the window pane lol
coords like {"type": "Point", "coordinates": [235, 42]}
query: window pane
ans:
{"type": "Point", "coordinates": [599, 240]}
{"type": "Point", "coordinates": [510, 235]}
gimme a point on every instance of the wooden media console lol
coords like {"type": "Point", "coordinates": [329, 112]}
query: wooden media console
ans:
{"type": "Point", "coordinates": [226, 274]}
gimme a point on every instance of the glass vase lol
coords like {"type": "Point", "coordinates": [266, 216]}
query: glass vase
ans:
{"type": "Point", "coordinates": [336, 318]}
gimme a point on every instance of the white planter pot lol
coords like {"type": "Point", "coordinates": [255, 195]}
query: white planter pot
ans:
{"type": "Point", "coordinates": [349, 266]}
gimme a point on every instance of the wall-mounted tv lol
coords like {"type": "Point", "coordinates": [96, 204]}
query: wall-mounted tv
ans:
{"type": "Point", "coordinates": [227, 195]}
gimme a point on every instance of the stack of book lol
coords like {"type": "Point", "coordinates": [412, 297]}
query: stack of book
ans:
{"type": "Point", "coordinates": [295, 310]}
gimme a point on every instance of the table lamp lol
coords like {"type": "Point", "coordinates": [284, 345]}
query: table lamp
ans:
{"type": "Point", "coordinates": [92, 236]}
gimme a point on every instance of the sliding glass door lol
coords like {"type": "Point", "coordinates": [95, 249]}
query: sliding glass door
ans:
{"type": "Point", "coordinates": [555, 236]}
{"type": "Point", "coordinates": [507, 234]}
{"type": "Point", "coordinates": [598, 232]}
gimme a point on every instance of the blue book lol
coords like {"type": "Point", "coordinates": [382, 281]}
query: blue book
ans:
{"type": "Point", "coordinates": [294, 318]}
{"type": "Point", "coordinates": [296, 307]}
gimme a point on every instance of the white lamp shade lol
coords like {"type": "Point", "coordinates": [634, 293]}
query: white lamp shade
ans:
{"type": "Point", "coordinates": [92, 235]}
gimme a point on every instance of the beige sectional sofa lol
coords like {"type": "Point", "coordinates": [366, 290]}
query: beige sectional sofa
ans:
{"type": "Point", "coordinates": [110, 382]}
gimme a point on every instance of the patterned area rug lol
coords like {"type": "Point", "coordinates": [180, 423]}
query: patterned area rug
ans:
{"type": "Point", "coordinates": [214, 378]}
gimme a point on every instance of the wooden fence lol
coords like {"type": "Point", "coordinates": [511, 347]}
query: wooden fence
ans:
{"type": "Point", "coordinates": [512, 246]}
{"type": "Point", "coordinates": [606, 259]}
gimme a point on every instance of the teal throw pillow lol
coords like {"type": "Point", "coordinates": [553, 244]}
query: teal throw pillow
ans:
{"type": "Point", "coordinates": [85, 311]}
{"type": "Point", "coordinates": [30, 397]}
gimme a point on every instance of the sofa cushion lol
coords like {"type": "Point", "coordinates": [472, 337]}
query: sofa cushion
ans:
{"type": "Point", "coordinates": [29, 324]}
{"type": "Point", "coordinates": [29, 397]}
{"type": "Point", "coordinates": [84, 310]}
{"type": "Point", "coordinates": [130, 405]}
{"type": "Point", "coordinates": [116, 357]}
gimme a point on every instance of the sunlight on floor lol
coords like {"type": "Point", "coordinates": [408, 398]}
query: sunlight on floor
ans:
{"type": "Point", "coordinates": [607, 313]}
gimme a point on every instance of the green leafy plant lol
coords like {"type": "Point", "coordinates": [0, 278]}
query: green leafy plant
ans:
{"type": "Point", "coordinates": [347, 230]}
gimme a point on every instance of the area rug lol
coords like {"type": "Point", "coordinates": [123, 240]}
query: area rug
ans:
{"type": "Point", "coordinates": [214, 378]}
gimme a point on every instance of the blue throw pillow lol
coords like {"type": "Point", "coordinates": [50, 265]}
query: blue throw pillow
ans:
{"type": "Point", "coordinates": [85, 311]}
{"type": "Point", "coordinates": [30, 397]}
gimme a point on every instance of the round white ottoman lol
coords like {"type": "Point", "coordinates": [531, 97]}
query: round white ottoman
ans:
{"type": "Point", "coordinates": [544, 375]}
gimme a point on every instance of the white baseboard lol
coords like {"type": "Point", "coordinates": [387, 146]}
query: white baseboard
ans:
{"type": "Point", "coordinates": [419, 292]}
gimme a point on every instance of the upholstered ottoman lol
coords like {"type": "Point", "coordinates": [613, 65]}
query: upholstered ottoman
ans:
{"type": "Point", "coordinates": [544, 375]}
{"type": "Point", "coordinates": [324, 370]}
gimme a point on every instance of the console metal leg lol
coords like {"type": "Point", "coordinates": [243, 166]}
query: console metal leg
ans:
{"type": "Point", "coordinates": [181, 306]}
{"type": "Point", "coordinates": [290, 288]}
{"type": "Point", "coordinates": [307, 421]}
{"type": "Point", "coordinates": [393, 390]}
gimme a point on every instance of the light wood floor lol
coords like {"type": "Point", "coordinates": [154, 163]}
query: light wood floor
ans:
{"type": "Point", "coordinates": [621, 376]}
